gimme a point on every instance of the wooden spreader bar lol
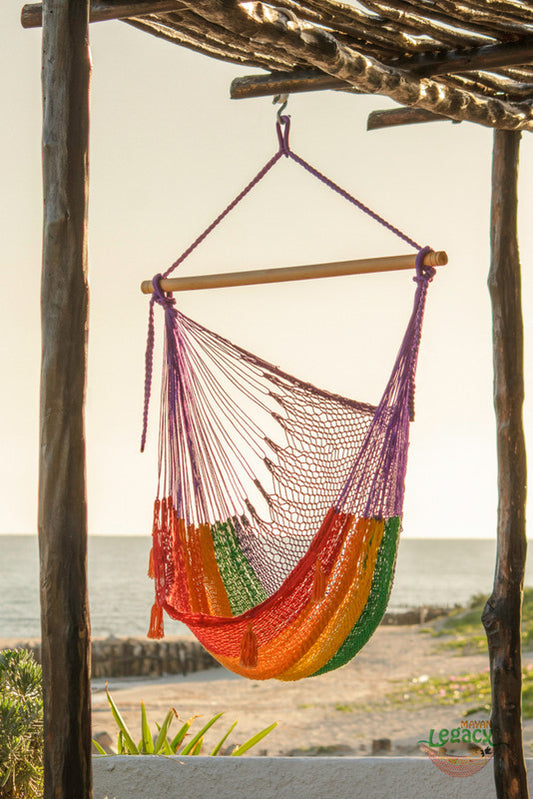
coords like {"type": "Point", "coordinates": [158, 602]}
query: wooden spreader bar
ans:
{"type": "Point", "coordinates": [257, 276]}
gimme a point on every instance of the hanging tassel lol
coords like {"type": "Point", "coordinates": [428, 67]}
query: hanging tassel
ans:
{"type": "Point", "coordinates": [151, 572]}
{"type": "Point", "coordinates": [319, 583]}
{"type": "Point", "coordinates": [156, 630]}
{"type": "Point", "coordinates": [249, 647]}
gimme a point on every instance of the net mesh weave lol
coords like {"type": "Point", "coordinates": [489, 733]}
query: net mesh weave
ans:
{"type": "Point", "coordinates": [275, 540]}
{"type": "Point", "coordinates": [279, 504]}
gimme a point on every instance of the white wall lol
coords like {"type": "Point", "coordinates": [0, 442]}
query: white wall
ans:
{"type": "Point", "coordinates": [149, 777]}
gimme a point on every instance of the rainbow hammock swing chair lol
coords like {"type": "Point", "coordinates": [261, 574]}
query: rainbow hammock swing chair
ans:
{"type": "Point", "coordinates": [279, 505]}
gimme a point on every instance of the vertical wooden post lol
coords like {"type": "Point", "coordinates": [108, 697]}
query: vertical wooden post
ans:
{"type": "Point", "coordinates": [62, 490]}
{"type": "Point", "coordinates": [502, 613]}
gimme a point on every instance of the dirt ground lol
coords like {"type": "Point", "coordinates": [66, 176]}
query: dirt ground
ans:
{"type": "Point", "coordinates": [344, 712]}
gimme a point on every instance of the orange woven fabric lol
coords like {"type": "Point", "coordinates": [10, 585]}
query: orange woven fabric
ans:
{"type": "Point", "coordinates": [295, 631]}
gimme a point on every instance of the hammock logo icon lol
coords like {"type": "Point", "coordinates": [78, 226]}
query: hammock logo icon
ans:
{"type": "Point", "coordinates": [462, 751]}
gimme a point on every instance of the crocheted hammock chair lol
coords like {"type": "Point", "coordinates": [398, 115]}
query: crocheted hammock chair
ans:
{"type": "Point", "coordinates": [279, 504]}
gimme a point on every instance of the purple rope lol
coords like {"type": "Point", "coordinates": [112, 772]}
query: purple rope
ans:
{"type": "Point", "coordinates": [343, 193]}
{"type": "Point", "coordinates": [166, 301]}
{"type": "Point", "coordinates": [247, 189]}
{"type": "Point", "coordinates": [160, 297]}
{"type": "Point", "coordinates": [424, 276]}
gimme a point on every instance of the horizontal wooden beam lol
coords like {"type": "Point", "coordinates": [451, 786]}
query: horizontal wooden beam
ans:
{"type": "Point", "coordinates": [288, 273]}
{"type": "Point", "coordinates": [395, 117]}
{"type": "Point", "coordinates": [102, 10]}
{"type": "Point", "coordinates": [425, 65]}
{"type": "Point", "coordinates": [490, 56]}
{"type": "Point", "coordinates": [302, 80]}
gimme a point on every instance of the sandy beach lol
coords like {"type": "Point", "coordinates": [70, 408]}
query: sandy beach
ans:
{"type": "Point", "coordinates": [340, 713]}
{"type": "Point", "coordinates": [346, 712]}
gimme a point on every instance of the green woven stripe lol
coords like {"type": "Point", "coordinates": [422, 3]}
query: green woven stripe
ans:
{"type": "Point", "coordinates": [376, 603]}
{"type": "Point", "coordinates": [242, 585]}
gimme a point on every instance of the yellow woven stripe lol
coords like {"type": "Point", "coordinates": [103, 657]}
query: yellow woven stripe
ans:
{"type": "Point", "coordinates": [214, 587]}
{"type": "Point", "coordinates": [348, 611]}
{"type": "Point", "coordinates": [286, 649]}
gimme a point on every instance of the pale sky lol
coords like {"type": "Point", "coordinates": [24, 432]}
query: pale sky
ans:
{"type": "Point", "coordinates": [169, 150]}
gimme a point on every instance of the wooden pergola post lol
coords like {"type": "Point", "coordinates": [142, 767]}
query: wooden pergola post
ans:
{"type": "Point", "coordinates": [62, 485]}
{"type": "Point", "coordinates": [502, 613]}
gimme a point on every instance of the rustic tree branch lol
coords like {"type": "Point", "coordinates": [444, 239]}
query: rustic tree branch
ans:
{"type": "Point", "coordinates": [501, 616]}
{"type": "Point", "coordinates": [300, 80]}
{"type": "Point", "coordinates": [396, 117]}
{"type": "Point", "coordinates": [451, 13]}
{"type": "Point", "coordinates": [490, 85]}
{"type": "Point", "coordinates": [62, 495]}
{"type": "Point", "coordinates": [205, 44]}
{"type": "Point", "coordinates": [102, 10]}
{"type": "Point", "coordinates": [490, 57]}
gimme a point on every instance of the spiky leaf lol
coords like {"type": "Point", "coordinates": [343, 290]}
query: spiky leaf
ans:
{"type": "Point", "coordinates": [147, 744]}
{"type": "Point", "coordinates": [192, 743]}
{"type": "Point", "coordinates": [222, 741]}
{"type": "Point", "coordinates": [240, 750]}
{"type": "Point", "coordinates": [128, 741]}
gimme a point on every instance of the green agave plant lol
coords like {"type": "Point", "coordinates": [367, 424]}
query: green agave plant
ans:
{"type": "Point", "coordinates": [162, 744]}
{"type": "Point", "coordinates": [21, 730]}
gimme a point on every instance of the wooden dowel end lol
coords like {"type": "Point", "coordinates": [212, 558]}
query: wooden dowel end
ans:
{"type": "Point", "coordinates": [288, 273]}
{"type": "Point", "coordinates": [438, 258]}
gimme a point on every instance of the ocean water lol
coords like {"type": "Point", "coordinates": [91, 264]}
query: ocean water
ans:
{"type": "Point", "coordinates": [440, 572]}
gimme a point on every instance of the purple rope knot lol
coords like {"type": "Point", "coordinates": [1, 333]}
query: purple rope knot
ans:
{"type": "Point", "coordinates": [423, 273]}
{"type": "Point", "coordinates": [165, 299]}
{"type": "Point", "coordinates": [158, 292]}
{"type": "Point", "coordinates": [283, 135]}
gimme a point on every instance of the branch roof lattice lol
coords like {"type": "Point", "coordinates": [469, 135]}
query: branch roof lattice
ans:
{"type": "Point", "coordinates": [387, 47]}
{"type": "Point", "coordinates": [466, 61]}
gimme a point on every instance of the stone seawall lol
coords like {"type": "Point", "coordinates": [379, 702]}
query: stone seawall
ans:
{"type": "Point", "coordinates": [140, 657]}
{"type": "Point", "coordinates": [414, 616]}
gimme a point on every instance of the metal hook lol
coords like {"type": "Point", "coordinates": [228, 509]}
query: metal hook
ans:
{"type": "Point", "coordinates": [283, 99]}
